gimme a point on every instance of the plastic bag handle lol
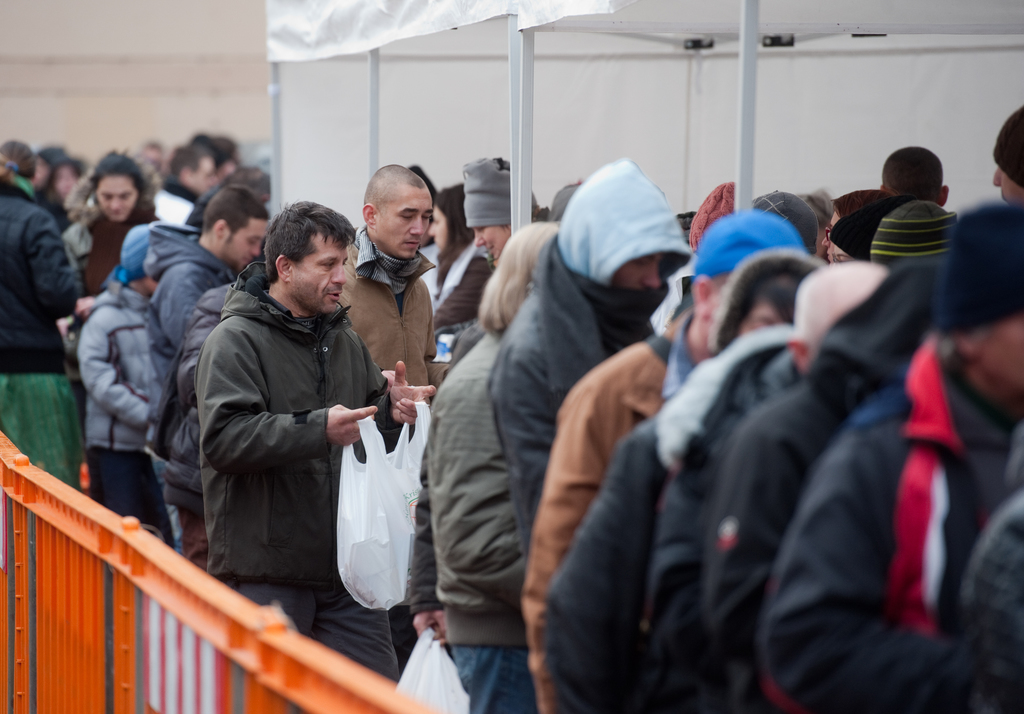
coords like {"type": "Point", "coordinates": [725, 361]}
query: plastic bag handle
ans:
{"type": "Point", "coordinates": [372, 440]}
{"type": "Point", "coordinates": [419, 439]}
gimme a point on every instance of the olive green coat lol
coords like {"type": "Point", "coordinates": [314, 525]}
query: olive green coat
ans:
{"type": "Point", "coordinates": [264, 384]}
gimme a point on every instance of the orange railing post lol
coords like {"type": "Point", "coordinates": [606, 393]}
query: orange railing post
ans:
{"type": "Point", "coordinates": [102, 616]}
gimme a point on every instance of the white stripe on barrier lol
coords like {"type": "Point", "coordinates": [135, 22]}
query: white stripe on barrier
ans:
{"type": "Point", "coordinates": [154, 655]}
{"type": "Point", "coordinates": [184, 674]}
{"type": "Point", "coordinates": [188, 670]}
{"type": "Point", "coordinates": [208, 682]}
{"type": "Point", "coordinates": [172, 649]}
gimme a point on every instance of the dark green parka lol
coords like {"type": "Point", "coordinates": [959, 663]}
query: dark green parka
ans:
{"type": "Point", "coordinates": [264, 384]}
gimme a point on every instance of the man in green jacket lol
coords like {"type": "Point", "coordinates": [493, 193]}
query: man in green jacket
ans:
{"type": "Point", "coordinates": [280, 384]}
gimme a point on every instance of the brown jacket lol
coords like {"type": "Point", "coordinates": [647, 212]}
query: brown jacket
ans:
{"type": "Point", "coordinates": [603, 407]}
{"type": "Point", "coordinates": [391, 337]}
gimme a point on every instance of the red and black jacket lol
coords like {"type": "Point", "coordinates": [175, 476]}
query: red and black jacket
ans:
{"type": "Point", "coordinates": [864, 615]}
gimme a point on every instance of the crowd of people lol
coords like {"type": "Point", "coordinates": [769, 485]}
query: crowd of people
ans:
{"type": "Point", "coordinates": [721, 461]}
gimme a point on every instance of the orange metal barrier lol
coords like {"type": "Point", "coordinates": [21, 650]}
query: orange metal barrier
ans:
{"type": "Point", "coordinates": [100, 616]}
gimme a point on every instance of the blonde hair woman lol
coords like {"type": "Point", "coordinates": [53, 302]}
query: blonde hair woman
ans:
{"type": "Point", "coordinates": [468, 566]}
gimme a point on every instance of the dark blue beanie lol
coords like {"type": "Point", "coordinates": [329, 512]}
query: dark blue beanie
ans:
{"type": "Point", "coordinates": [982, 277]}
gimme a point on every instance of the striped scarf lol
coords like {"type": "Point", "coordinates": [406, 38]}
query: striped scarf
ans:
{"type": "Point", "coordinates": [376, 265]}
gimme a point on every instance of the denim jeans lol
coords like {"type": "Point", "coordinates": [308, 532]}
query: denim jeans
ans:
{"type": "Point", "coordinates": [129, 487]}
{"type": "Point", "coordinates": [497, 679]}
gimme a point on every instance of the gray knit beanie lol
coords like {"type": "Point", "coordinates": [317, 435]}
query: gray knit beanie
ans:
{"type": "Point", "coordinates": [795, 210]}
{"type": "Point", "coordinates": [488, 193]}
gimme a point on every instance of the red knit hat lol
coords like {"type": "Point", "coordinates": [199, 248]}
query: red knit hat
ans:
{"type": "Point", "coordinates": [719, 203]}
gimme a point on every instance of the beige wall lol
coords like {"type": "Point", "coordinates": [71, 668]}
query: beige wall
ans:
{"type": "Point", "coordinates": [111, 74]}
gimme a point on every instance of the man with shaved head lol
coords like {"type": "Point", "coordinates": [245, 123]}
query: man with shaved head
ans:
{"type": "Point", "coordinates": [389, 304]}
{"type": "Point", "coordinates": [856, 327]}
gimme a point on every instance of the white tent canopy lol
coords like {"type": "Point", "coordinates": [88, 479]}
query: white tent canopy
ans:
{"type": "Point", "coordinates": [318, 29]}
{"type": "Point", "coordinates": [310, 30]}
{"type": "Point", "coordinates": [977, 17]}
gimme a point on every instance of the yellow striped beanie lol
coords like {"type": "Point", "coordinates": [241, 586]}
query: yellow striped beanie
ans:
{"type": "Point", "coordinates": [915, 229]}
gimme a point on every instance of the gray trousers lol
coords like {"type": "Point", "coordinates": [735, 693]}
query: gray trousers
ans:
{"type": "Point", "coordinates": [334, 619]}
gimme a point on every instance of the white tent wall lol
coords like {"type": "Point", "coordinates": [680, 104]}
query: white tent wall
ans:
{"type": "Point", "coordinates": [831, 110]}
{"type": "Point", "coordinates": [828, 111]}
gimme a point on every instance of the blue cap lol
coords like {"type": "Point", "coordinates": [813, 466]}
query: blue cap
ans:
{"type": "Point", "coordinates": [737, 236]}
{"type": "Point", "coordinates": [980, 279]}
{"type": "Point", "coordinates": [133, 254]}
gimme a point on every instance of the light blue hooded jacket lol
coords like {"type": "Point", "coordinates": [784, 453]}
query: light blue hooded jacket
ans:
{"type": "Point", "coordinates": [616, 216]}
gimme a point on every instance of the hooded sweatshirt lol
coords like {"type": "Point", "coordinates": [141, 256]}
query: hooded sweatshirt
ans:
{"type": "Point", "coordinates": [574, 319]}
{"type": "Point", "coordinates": [184, 270]}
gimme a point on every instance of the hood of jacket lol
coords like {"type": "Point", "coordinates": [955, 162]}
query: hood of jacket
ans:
{"type": "Point", "coordinates": [744, 280]}
{"type": "Point", "coordinates": [212, 302]}
{"type": "Point", "coordinates": [119, 295]}
{"type": "Point", "coordinates": [81, 203]}
{"type": "Point", "coordinates": [616, 216]}
{"type": "Point", "coordinates": [170, 244]}
{"type": "Point", "coordinates": [877, 338]}
{"type": "Point", "coordinates": [241, 302]}
{"type": "Point", "coordinates": [682, 418]}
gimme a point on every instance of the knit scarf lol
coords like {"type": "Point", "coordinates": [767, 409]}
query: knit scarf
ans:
{"type": "Point", "coordinates": [377, 265]}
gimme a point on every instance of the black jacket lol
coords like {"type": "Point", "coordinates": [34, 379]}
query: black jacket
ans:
{"type": "Point", "coordinates": [622, 545]}
{"type": "Point", "coordinates": [595, 616]}
{"type": "Point", "coordinates": [556, 337]}
{"type": "Point", "coordinates": [761, 472]}
{"type": "Point", "coordinates": [993, 604]}
{"type": "Point", "coordinates": [37, 286]}
{"type": "Point", "coordinates": [677, 643]}
{"type": "Point", "coordinates": [645, 665]}
{"type": "Point", "coordinates": [864, 612]}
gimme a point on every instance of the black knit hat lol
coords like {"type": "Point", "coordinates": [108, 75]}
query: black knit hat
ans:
{"type": "Point", "coordinates": [979, 281]}
{"type": "Point", "coordinates": [915, 229]}
{"type": "Point", "coordinates": [854, 233]}
{"type": "Point", "coordinates": [1009, 151]}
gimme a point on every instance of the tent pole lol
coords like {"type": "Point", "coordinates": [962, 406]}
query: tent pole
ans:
{"type": "Point", "coordinates": [374, 68]}
{"type": "Point", "coordinates": [514, 88]}
{"type": "Point", "coordinates": [522, 208]}
{"type": "Point", "coordinates": [274, 90]}
{"type": "Point", "coordinates": [747, 114]}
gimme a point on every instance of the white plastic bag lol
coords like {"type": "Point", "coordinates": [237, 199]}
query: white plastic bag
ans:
{"type": "Point", "coordinates": [431, 677]}
{"type": "Point", "coordinates": [377, 513]}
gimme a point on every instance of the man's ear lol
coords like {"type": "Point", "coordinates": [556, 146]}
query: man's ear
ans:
{"type": "Point", "coordinates": [370, 215]}
{"type": "Point", "coordinates": [702, 288]}
{"type": "Point", "coordinates": [284, 268]}
{"type": "Point", "coordinates": [221, 230]}
{"type": "Point", "coordinates": [943, 195]}
{"type": "Point", "coordinates": [801, 355]}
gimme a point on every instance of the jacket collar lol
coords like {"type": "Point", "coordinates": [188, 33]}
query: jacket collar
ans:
{"type": "Point", "coordinates": [14, 192]}
{"type": "Point", "coordinates": [930, 416]}
{"type": "Point", "coordinates": [240, 302]}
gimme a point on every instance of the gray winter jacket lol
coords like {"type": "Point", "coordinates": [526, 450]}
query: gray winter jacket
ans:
{"type": "Point", "coordinates": [183, 481]}
{"type": "Point", "coordinates": [113, 355]}
{"type": "Point", "coordinates": [185, 270]}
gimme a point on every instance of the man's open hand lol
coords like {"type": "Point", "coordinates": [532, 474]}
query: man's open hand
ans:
{"type": "Point", "coordinates": [404, 397]}
{"type": "Point", "coordinates": [342, 428]}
